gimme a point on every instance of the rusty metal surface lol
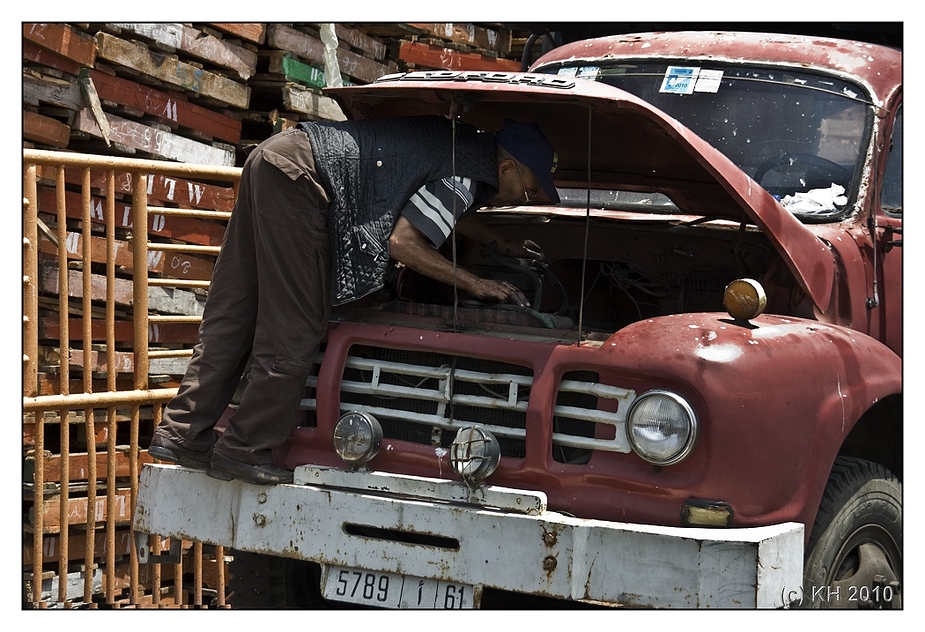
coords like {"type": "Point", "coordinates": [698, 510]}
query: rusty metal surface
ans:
{"type": "Point", "coordinates": [553, 554]}
{"type": "Point", "coordinates": [706, 353]}
{"type": "Point", "coordinates": [83, 432]}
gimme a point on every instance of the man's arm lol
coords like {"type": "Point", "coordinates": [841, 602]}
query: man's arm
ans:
{"type": "Point", "coordinates": [409, 246]}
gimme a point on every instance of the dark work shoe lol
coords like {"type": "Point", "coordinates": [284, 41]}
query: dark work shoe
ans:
{"type": "Point", "coordinates": [226, 468]}
{"type": "Point", "coordinates": [163, 449]}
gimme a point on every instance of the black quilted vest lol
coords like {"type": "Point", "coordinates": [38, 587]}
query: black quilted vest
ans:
{"type": "Point", "coordinates": [370, 169]}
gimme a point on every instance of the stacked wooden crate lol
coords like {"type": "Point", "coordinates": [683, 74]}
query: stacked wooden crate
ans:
{"type": "Point", "coordinates": [449, 46]}
{"type": "Point", "coordinates": [189, 93]}
{"type": "Point", "coordinates": [202, 93]}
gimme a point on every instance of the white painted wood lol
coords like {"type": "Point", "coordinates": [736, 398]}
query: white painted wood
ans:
{"type": "Point", "coordinates": [156, 141]}
{"type": "Point", "coordinates": [197, 43]}
{"type": "Point", "coordinates": [169, 69]}
{"type": "Point", "coordinates": [299, 99]}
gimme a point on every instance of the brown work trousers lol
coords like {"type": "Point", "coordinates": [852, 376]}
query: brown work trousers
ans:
{"type": "Point", "coordinates": [268, 300]}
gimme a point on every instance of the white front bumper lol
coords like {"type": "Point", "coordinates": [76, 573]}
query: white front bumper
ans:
{"type": "Point", "coordinates": [521, 547]}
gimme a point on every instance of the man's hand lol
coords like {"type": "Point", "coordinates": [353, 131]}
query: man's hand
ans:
{"type": "Point", "coordinates": [409, 246]}
{"type": "Point", "coordinates": [500, 291]}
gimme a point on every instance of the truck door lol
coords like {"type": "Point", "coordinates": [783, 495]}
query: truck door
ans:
{"type": "Point", "coordinates": [889, 239]}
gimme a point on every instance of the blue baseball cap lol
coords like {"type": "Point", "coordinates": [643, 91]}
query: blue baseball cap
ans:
{"type": "Point", "coordinates": [529, 145]}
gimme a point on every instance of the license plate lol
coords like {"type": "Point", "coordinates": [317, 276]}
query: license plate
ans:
{"type": "Point", "coordinates": [392, 590]}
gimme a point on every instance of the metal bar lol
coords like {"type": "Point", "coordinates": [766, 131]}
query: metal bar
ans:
{"type": "Point", "coordinates": [30, 235]}
{"type": "Point", "coordinates": [30, 365]}
{"type": "Point", "coordinates": [110, 513]}
{"type": "Point", "coordinates": [189, 212]}
{"type": "Point", "coordinates": [155, 569]}
{"type": "Point", "coordinates": [591, 414]}
{"type": "Point", "coordinates": [518, 501]}
{"type": "Point", "coordinates": [132, 165]}
{"type": "Point", "coordinates": [497, 403]}
{"type": "Point", "coordinates": [169, 353]}
{"type": "Point", "coordinates": [67, 405]}
{"type": "Point", "coordinates": [156, 572]}
{"type": "Point", "coordinates": [140, 278]}
{"type": "Point", "coordinates": [220, 579]}
{"type": "Point", "coordinates": [133, 494]}
{"type": "Point", "coordinates": [140, 248]}
{"type": "Point", "coordinates": [178, 577]}
{"type": "Point", "coordinates": [87, 321]}
{"type": "Point", "coordinates": [110, 278]}
{"type": "Point", "coordinates": [109, 218]}
{"type": "Point", "coordinates": [38, 487]}
{"type": "Point", "coordinates": [430, 420]}
{"type": "Point", "coordinates": [197, 573]}
{"type": "Point", "coordinates": [158, 318]}
{"type": "Point", "coordinates": [595, 388]}
{"type": "Point", "coordinates": [203, 250]}
{"type": "Point", "coordinates": [63, 506]}
{"type": "Point", "coordinates": [436, 372]}
{"type": "Point", "coordinates": [96, 400]}
{"type": "Point", "coordinates": [64, 370]}
{"type": "Point", "coordinates": [87, 257]}
{"type": "Point", "coordinates": [64, 373]}
{"type": "Point", "coordinates": [89, 565]}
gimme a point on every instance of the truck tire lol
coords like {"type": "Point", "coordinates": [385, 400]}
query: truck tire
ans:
{"type": "Point", "coordinates": [267, 582]}
{"type": "Point", "coordinates": [854, 554]}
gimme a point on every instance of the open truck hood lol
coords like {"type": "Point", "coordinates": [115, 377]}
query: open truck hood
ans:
{"type": "Point", "coordinates": [605, 138]}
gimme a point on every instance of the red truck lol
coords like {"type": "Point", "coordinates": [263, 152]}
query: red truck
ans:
{"type": "Point", "coordinates": [701, 406]}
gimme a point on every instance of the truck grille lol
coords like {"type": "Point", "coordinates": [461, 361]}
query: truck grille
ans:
{"type": "Point", "coordinates": [425, 397]}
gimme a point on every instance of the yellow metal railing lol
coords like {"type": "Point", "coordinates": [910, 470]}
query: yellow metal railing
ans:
{"type": "Point", "coordinates": [81, 433]}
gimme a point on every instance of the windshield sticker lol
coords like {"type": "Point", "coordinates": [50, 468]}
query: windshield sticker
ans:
{"type": "Point", "coordinates": [583, 72]}
{"type": "Point", "coordinates": [588, 72]}
{"type": "Point", "coordinates": [708, 81]}
{"type": "Point", "coordinates": [679, 80]}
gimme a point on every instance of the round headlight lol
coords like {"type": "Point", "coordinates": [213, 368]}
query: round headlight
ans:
{"type": "Point", "coordinates": [475, 454]}
{"type": "Point", "coordinates": [357, 437]}
{"type": "Point", "coordinates": [661, 427]}
{"type": "Point", "coordinates": [744, 299]}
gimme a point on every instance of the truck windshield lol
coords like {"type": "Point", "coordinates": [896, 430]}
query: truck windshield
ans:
{"type": "Point", "coordinates": [800, 135]}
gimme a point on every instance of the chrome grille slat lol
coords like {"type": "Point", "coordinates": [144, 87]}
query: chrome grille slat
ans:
{"type": "Point", "coordinates": [436, 421]}
{"type": "Point", "coordinates": [382, 387]}
{"type": "Point", "coordinates": [464, 375]}
{"type": "Point", "coordinates": [597, 389]}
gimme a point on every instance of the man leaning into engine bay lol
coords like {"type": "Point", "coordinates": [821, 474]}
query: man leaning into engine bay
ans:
{"type": "Point", "coordinates": [321, 210]}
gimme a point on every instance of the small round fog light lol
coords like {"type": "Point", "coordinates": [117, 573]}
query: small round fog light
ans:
{"type": "Point", "coordinates": [357, 437]}
{"type": "Point", "coordinates": [475, 454]}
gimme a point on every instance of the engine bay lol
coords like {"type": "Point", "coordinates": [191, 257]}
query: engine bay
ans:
{"type": "Point", "coordinates": [601, 273]}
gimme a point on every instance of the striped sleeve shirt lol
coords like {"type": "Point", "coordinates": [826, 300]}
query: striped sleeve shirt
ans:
{"type": "Point", "coordinates": [436, 207]}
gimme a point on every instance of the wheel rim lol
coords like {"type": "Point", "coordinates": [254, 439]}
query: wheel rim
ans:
{"type": "Point", "coordinates": [866, 565]}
